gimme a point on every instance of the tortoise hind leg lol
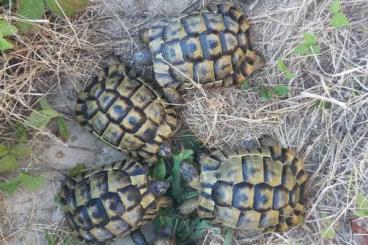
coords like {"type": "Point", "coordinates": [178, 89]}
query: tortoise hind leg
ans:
{"type": "Point", "coordinates": [251, 63]}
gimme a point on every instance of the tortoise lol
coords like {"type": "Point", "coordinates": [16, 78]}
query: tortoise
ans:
{"type": "Point", "coordinates": [211, 47]}
{"type": "Point", "coordinates": [124, 111]}
{"type": "Point", "coordinates": [112, 201]}
{"type": "Point", "coordinates": [259, 189]}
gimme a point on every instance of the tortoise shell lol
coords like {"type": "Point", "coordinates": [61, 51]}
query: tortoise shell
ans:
{"type": "Point", "coordinates": [108, 202]}
{"type": "Point", "coordinates": [211, 47]}
{"type": "Point", "coordinates": [125, 112]}
{"type": "Point", "coordinates": [258, 189]}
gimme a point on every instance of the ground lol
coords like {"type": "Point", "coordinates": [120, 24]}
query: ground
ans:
{"type": "Point", "coordinates": [323, 116]}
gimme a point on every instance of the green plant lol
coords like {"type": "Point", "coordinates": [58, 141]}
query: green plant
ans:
{"type": "Point", "coordinates": [9, 156]}
{"type": "Point", "coordinates": [189, 229]}
{"type": "Point", "coordinates": [67, 7]}
{"type": "Point", "coordinates": [31, 10]}
{"type": "Point", "coordinates": [281, 66]}
{"type": "Point", "coordinates": [186, 230]}
{"type": "Point", "coordinates": [229, 233]}
{"type": "Point", "coordinates": [329, 232]}
{"type": "Point", "coordinates": [245, 84]}
{"type": "Point", "coordinates": [322, 104]}
{"type": "Point", "coordinates": [190, 142]}
{"type": "Point", "coordinates": [77, 169]}
{"type": "Point", "coordinates": [267, 93]}
{"type": "Point", "coordinates": [361, 205]}
{"type": "Point", "coordinates": [159, 171]}
{"type": "Point", "coordinates": [309, 45]}
{"type": "Point", "coordinates": [177, 184]}
{"type": "Point", "coordinates": [31, 183]}
{"type": "Point", "coordinates": [60, 239]}
{"type": "Point", "coordinates": [39, 119]}
{"type": "Point", "coordinates": [338, 19]}
{"type": "Point", "coordinates": [6, 30]}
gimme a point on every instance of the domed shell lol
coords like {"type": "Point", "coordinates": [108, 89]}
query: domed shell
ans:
{"type": "Point", "coordinates": [258, 189]}
{"type": "Point", "coordinates": [211, 47]}
{"type": "Point", "coordinates": [125, 112]}
{"type": "Point", "coordinates": [108, 202]}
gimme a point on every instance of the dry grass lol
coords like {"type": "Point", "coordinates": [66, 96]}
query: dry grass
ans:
{"type": "Point", "coordinates": [333, 141]}
{"type": "Point", "coordinates": [56, 53]}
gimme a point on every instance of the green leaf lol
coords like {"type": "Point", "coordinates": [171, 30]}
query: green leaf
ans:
{"type": "Point", "coordinates": [8, 164]}
{"type": "Point", "coordinates": [21, 150]}
{"type": "Point", "coordinates": [5, 2]}
{"type": "Point", "coordinates": [328, 233]}
{"type": "Point", "coordinates": [40, 119]}
{"type": "Point", "coordinates": [245, 84]}
{"type": "Point", "coordinates": [70, 240]}
{"type": "Point", "coordinates": [159, 171]}
{"type": "Point", "coordinates": [189, 195]}
{"type": "Point", "coordinates": [281, 66]}
{"type": "Point", "coordinates": [32, 183]}
{"type": "Point", "coordinates": [44, 103]}
{"type": "Point", "coordinates": [339, 21]}
{"type": "Point", "coordinates": [322, 104]}
{"type": "Point", "coordinates": [63, 128]}
{"type": "Point", "coordinates": [29, 10]}
{"type": "Point", "coordinates": [69, 7]}
{"type": "Point", "coordinates": [5, 44]}
{"type": "Point", "coordinates": [7, 29]}
{"type": "Point", "coordinates": [199, 229]}
{"type": "Point", "coordinates": [361, 205]}
{"type": "Point", "coordinates": [309, 46]}
{"type": "Point", "coordinates": [166, 218]}
{"type": "Point", "coordinates": [11, 186]}
{"type": "Point", "coordinates": [335, 7]}
{"type": "Point", "coordinates": [310, 39]}
{"type": "Point", "coordinates": [21, 132]}
{"type": "Point", "coordinates": [189, 141]}
{"type": "Point", "coordinates": [3, 150]}
{"type": "Point", "coordinates": [290, 75]}
{"type": "Point", "coordinates": [50, 238]}
{"type": "Point", "coordinates": [280, 90]}
{"type": "Point", "coordinates": [302, 49]}
{"type": "Point", "coordinates": [266, 94]}
{"type": "Point", "coordinates": [229, 233]}
{"type": "Point", "coordinates": [176, 180]}
{"type": "Point", "coordinates": [58, 239]}
{"type": "Point", "coordinates": [79, 168]}
{"type": "Point", "coordinates": [184, 155]}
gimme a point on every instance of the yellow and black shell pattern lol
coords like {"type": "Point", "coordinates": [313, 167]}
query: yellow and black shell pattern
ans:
{"type": "Point", "coordinates": [259, 189]}
{"type": "Point", "coordinates": [211, 47]}
{"type": "Point", "coordinates": [108, 202]}
{"type": "Point", "coordinates": [126, 112]}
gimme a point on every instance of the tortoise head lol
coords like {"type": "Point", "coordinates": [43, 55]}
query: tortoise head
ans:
{"type": "Point", "coordinates": [190, 175]}
{"type": "Point", "coordinates": [159, 188]}
{"type": "Point", "coordinates": [143, 57]}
